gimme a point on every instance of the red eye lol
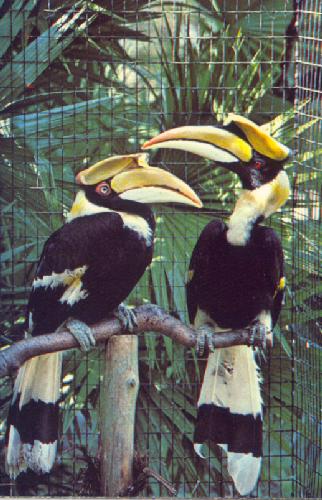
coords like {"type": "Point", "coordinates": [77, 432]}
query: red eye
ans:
{"type": "Point", "coordinates": [258, 164]}
{"type": "Point", "coordinates": [103, 189]}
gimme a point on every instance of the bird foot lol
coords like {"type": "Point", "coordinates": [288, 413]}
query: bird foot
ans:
{"type": "Point", "coordinates": [82, 333]}
{"type": "Point", "coordinates": [204, 339]}
{"type": "Point", "coordinates": [127, 318]}
{"type": "Point", "coordinates": [260, 335]}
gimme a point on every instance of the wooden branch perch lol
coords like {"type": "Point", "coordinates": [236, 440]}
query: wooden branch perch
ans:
{"type": "Point", "coordinates": [149, 317]}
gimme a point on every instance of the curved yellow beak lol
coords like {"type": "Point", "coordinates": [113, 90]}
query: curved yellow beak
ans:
{"type": "Point", "coordinates": [106, 169]}
{"type": "Point", "coordinates": [221, 144]}
{"type": "Point", "coordinates": [154, 185]}
{"type": "Point", "coordinates": [209, 142]}
{"type": "Point", "coordinates": [132, 178]}
{"type": "Point", "coordinates": [259, 139]}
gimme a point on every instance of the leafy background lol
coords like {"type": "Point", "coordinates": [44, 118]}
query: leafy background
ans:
{"type": "Point", "coordinates": [92, 78]}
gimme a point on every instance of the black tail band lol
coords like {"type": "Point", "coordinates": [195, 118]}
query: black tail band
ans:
{"type": "Point", "coordinates": [35, 420]}
{"type": "Point", "coordinates": [241, 433]}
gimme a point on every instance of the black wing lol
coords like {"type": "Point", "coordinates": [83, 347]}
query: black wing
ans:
{"type": "Point", "coordinates": [233, 284]}
{"type": "Point", "coordinates": [273, 263]}
{"type": "Point", "coordinates": [86, 269]}
{"type": "Point", "coordinates": [201, 259]}
{"type": "Point", "coordinates": [44, 312]}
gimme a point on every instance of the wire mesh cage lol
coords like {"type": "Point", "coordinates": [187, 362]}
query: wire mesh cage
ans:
{"type": "Point", "coordinates": [88, 79]}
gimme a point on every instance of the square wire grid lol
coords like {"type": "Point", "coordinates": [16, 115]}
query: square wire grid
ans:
{"type": "Point", "coordinates": [86, 80]}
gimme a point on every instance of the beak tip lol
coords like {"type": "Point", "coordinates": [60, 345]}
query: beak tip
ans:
{"type": "Point", "coordinates": [146, 145]}
{"type": "Point", "coordinates": [198, 204]}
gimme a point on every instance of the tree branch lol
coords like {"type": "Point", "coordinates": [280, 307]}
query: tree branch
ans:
{"type": "Point", "coordinates": [149, 318]}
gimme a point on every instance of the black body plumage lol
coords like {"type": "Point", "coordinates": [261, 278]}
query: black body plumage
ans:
{"type": "Point", "coordinates": [112, 258]}
{"type": "Point", "coordinates": [86, 270]}
{"type": "Point", "coordinates": [235, 281]}
{"type": "Point", "coordinates": [233, 284]}
{"type": "Point", "coordinates": [115, 257]}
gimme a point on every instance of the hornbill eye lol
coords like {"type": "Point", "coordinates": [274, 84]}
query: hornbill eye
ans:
{"type": "Point", "coordinates": [103, 189]}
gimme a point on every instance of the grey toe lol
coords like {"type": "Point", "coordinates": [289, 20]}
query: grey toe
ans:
{"type": "Point", "coordinates": [258, 334]}
{"type": "Point", "coordinates": [204, 339]}
{"type": "Point", "coordinates": [127, 318]}
{"type": "Point", "coordinates": [83, 334]}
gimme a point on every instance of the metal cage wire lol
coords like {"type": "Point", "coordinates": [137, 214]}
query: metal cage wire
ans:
{"type": "Point", "coordinates": [306, 338]}
{"type": "Point", "coordinates": [89, 79]}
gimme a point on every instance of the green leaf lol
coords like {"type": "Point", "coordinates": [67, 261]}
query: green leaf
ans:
{"type": "Point", "coordinates": [13, 21]}
{"type": "Point", "coordinates": [16, 75]}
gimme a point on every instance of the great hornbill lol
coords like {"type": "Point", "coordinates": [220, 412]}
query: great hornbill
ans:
{"type": "Point", "coordinates": [87, 268]}
{"type": "Point", "coordinates": [235, 281]}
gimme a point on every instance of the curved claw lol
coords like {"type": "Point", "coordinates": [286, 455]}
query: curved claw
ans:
{"type": "Point", "coordinates": [82, 333]}
{"type": "Point", "coordinates": [260, 335]}
{"type": "Point", "coordinates": [127, 318]}
{"type": "Point", "coordinates": [204, 339]}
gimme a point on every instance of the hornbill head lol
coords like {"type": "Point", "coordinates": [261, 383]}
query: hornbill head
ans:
{"type": "Point", "coordinates": [243, 147]}
{"type": "Point", "coordinates": [120, 182]}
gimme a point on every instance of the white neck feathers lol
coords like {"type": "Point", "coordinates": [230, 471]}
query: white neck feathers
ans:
{"type": "Point", "coordinates": [262, 201]}
{"type": "Point", "coordinates": [83, 207]}
{"type": "Point", "coordinates": [241, 222]}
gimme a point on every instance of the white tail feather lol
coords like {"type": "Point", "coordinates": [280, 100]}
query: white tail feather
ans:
{"type": "Point", "coordinates": [198, 447]}
{"type": "Point", "coordinates": [244, 469]}
{"type": "Point", "coordinates": [14, 462]}
{"type": "Point", "coordinates": [38, 379]}
{"type": "Point", "coordinates": [231, 380]}
{"type": "Point", "coordinates": [40, 457]}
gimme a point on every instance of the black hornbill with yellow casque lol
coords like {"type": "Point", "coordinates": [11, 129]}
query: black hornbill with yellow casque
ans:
{"type": "Point", "coordinates": [87, 268]}
{"type": "Point", "coordinates": [235, 280]}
